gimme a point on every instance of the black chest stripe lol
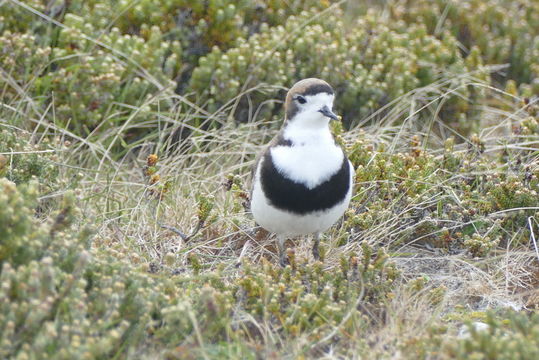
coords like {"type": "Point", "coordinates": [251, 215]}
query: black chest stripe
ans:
{"type": "Point", "coordinates": [291, 196]}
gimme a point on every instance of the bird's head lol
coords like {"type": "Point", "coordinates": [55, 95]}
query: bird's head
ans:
{"type": "Point", "coordinates": [309, 104]}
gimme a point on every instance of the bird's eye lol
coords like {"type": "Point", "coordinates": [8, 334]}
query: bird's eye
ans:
{"type": "Point", "coordinates": [301, 99]}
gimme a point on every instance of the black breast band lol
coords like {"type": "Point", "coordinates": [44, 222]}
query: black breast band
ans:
{"type": "Point", "coordinates": [294, 197]}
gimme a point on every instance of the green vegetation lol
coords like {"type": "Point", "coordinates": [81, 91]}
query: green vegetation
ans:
{"type": "Point", "coordinates": [506, 335]}
{"type": "Point", "coordinates": [127, 129]}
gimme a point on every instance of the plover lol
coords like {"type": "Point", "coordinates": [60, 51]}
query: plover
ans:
{"type": "Point", "coordinates": [302, 181]}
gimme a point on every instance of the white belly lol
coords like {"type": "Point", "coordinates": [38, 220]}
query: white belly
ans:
{"type": "Point", "coordinates": [289, 224]}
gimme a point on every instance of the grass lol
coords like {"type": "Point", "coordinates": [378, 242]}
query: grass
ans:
{"type": "Point", "coordinates": [458, 249]}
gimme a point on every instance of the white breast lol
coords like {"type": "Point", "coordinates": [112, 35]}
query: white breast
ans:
{"type": "Point", "coordinates": [313, 159]}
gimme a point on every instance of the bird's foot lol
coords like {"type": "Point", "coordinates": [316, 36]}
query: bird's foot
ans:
{"type": "Point", "coordinates": [316, 246]}
{"type": "Point", "coordinates": [283, 259]}
{"type": "Point", "coordinates": [316, 252]}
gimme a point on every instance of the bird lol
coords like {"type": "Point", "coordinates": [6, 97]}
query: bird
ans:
{"type": "Point", "coordinates": [302, 181]}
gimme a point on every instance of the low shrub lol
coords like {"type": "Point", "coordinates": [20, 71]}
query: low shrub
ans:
{"type": "Point", "coordinates": [367, 62]}
{"type": "Point", "coordinates": [505, 335]}
{"type": "Point", "coordinates": [61, 297]}
{"type": "Point", "coordinates": [505, 32]}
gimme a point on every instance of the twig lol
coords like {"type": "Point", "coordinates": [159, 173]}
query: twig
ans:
{"type": "Point", "coordinates": [178, 232]}
{"type": "Point", "coordinates": [532, 235]}
{"type": "Point", "coordinates": [337, 328]}
{"type": "Point", "coordinates": [243, 252]}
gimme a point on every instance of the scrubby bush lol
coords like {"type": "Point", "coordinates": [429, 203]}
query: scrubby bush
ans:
{"type": "Point", "coordinates": [369, 60]}
{"type": "Point", "coordinates": [303, 298]}
{"type": "Point", "coordinates": [197, 25]}
{"type": "Point", "coordinates": [505, 32]}
{"type": "Point", "coordinates": [506, 335]}
{"type": "Point", "coordinates": [95, 82]}
{"type": "Point", "coordinates": [21, 161]}
{"type": "Point", "coordinates": [452, 199]}
{"type": "Point", "coordinates": [62, 297]}
{"type": "Point", "coordinates": [102, 87]}
{"type": "Point", "coordinates": [130, 288]}
{"type": "Point", "coordinates": [16, 19]}
{"type": "Point", "coordinates": [89, 87]}
{"type": "Point", "coordinates": [22, 63]}
{"type": "Point", "coordinates": [369, 63]}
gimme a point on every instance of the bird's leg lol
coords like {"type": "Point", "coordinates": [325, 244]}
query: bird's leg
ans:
{"type": "Point", "coordinates": [282, 251]}
{"type": "Point", "coordinates": [316, 252]}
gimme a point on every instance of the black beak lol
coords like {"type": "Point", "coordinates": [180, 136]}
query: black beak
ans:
{"type": "Point", "coordinates": [327, 112]}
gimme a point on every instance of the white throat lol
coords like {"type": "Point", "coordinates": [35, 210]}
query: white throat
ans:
{"type": "Point", "coordinates": [301, 135]}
